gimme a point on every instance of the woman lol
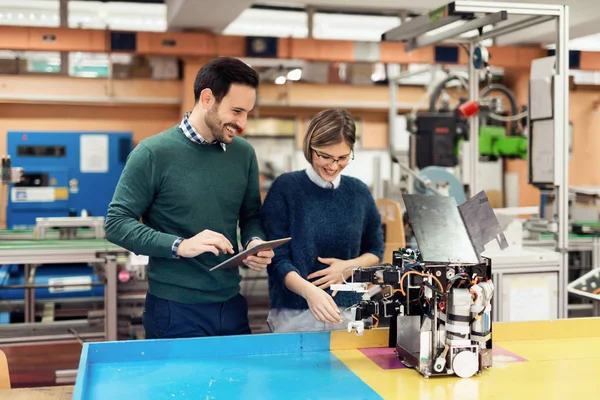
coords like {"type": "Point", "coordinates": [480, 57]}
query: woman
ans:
{"type": "Point", "coordinates": [334, 224]}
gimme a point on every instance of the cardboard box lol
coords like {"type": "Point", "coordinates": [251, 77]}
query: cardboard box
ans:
{"type": "Point", "coordinates": [359, 73]}
{"type": "Point", "coordinates": [121, 71]}
{"type": "Point", "coordinates": [164, 68]}
{"type": "Point", "coordinates": [13, 66]}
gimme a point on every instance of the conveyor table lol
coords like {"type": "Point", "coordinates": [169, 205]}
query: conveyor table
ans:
{"type": "Point", "coordinates": [64, 251]}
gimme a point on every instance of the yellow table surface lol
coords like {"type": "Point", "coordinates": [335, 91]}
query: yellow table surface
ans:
{"type": "Point", "coordinates": [562, 361]}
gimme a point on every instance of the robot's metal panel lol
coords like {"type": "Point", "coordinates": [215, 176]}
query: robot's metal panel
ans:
{"type": "Point", "coordinates": [438, 227]}
{"type": "Point", "coordinates": [408, 332]}
{"type": "Point", "coordinates": [481, 223]}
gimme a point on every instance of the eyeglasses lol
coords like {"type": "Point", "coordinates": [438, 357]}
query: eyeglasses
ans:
{"type": "Point", "coordinates": [343, 160]}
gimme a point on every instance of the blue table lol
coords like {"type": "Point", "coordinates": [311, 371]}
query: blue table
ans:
{"type": "Point", "coordinates": [270, 366]}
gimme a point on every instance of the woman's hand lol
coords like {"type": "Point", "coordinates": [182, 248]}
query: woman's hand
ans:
{"type": "Point", "coordinates": [321, 305]}
{"type": "Point", "coordinates": [332, 274]}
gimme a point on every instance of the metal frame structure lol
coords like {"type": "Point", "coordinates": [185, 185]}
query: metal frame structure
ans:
{"type": "Point", "coordinates": [60, 331]}
{"type": "Point", "coordinates": [476, 15]}
{"type": "Point", "coordinates": [69, 225]}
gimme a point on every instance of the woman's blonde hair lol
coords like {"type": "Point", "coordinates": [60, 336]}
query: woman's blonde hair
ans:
{"type": "Point", "coordinates": [328, 128]}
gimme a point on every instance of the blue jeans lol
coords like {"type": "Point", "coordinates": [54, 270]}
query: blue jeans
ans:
{"type": "Point", "coordinates": [164, 319]}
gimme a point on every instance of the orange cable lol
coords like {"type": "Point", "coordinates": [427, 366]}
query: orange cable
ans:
{"type": "Point", "coordinates": [376, 321]}
{"type": "Point", "coordinates": [421, 274]}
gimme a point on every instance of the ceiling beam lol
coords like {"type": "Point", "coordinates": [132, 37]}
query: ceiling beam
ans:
{"type": "Point", "coordinates": [209, 15]}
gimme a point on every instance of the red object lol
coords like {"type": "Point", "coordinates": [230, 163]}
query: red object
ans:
{"type": "Point", "coordinates": [468, 108]}
{"type": "Point", "coordinates": [124, 276]}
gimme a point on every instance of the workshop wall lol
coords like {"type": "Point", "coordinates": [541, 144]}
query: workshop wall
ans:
{"type": "Point", "coordinates": [141, 121]}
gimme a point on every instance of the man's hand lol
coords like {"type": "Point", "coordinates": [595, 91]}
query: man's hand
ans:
{"type": "Point", "coordinates": [205, 241]}
{"type": "Point", "coordinates": [261, 260]}
{"type": "Point", "coordinates": [332, 274]}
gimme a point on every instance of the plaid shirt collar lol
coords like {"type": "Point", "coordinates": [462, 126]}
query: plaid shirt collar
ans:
{"type": "Point", "coordinates": [194, 136]}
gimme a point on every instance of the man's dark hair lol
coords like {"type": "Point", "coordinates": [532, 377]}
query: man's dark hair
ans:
{"type": "Point", "coordinates": [218, 75]}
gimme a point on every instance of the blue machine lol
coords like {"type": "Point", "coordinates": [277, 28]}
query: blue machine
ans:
{"type": "Point", "coordinates": [64, 173]}
{"type": "Point", "coordinates": [69, 274]}
{"type": "Point", "coordinates": [46, 275]}
{"type": "Point", "coordinates": [437, 174]}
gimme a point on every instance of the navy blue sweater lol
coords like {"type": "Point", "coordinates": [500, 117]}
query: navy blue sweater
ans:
{"type": "Point", "coordinates": [341, 223]}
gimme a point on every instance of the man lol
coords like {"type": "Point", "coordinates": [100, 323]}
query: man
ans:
{"type": "Point", "coordinates": [191, 185]}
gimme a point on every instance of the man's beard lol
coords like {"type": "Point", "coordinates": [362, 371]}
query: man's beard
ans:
{"type": "Point", "coordinates": [216, 126]}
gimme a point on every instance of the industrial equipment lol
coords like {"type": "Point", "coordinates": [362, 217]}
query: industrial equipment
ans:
{"type": "Point", "coordinates": [583, 214]}
{"type": "Point", "coordinates": [64, 174]}
{"type": "Point", "coordinates": [446, 183]}
{"type": "Point", "coordinates": [8, 173]}
{"type": "Point", "coordinates": [66, 286]}
{"type": "Point", "coordinates": [439, 296]}
{"type": "Point", "coordinates": [470, 23]}
{"type": "Point", "coordinates": [437, 133]}
{"type": "Point", "coordinates": [439, 138]}
{"type": "Point", "coordinates": [58, 271]}
{"type": "Point", "coordinates": [46, 232]}
{"type": "Point", "coordinates": [588, 287]}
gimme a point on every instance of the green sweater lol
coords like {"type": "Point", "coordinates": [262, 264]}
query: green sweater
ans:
{"type": "Point", "coordinates": [180, 188]}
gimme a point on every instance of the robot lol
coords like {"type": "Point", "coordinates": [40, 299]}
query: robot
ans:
{"type": "Point", "coordinates": [437, 297]}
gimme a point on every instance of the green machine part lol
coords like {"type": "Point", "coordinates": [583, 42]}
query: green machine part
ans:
{"type": "Point", "coordinates": [493, 142]}
{"type": "Point", "coordinates": [586, 228]}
